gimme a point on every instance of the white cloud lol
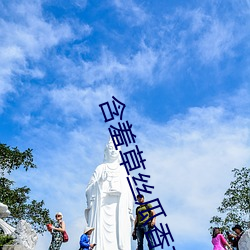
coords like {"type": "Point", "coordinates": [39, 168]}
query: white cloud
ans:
{"type": "Point", "coordinates": [105, 69]}
{"type": "Point", "coordinates": [217, 42]}
{"type": "Point", "coordinates": [198, 19]}
{"type": "Point", "coordinates": [143, 64]}
{"type": "Point", "coordinates": [80, 3]}
{"type": "Point", "coordinates": [10, 58]}
{"type": "Point", "coordinates": [31, 33]}
{"type": "Point", "coordinates": [240, 101]}
{"type": "Point", "coordinates": [81, 102]}
{"type": "Point", "coordinates": [122, 71]}
{"type": "Point", "coordinates": [198, 33]}
{"type": "Point", "coordinates": [131, 12]}
{"type": "Point", "coordinates": [25, 35]}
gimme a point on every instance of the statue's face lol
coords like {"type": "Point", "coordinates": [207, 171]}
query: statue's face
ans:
{"type": "Point", "coordinates": [111, 153]}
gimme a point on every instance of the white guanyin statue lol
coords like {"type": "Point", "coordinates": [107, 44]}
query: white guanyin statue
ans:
{"type": "Point", "coordinates": [110, 203]}
{"type": "Point", "coordinates": [244, 242]}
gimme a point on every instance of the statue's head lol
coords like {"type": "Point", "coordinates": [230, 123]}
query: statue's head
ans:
{"type": "Point", "coordinates": [110, 153]}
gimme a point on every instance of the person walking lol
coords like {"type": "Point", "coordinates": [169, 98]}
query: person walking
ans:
{"type": "Point", "coordinates": [218, 240]}
{"type": "Point", "coordinates": [56, 231]}
{"type": "Point", "coordinates": [85, 239]}
{"type": "Point", "coordinates": [139, 228]}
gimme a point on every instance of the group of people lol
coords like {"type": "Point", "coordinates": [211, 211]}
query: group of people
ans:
{"type": "Point", "coordinates": [140, 228]}
{"type": "Point", "coordinates": [219, 242]}
{"type": "Point", "coordinates": [57, 236]}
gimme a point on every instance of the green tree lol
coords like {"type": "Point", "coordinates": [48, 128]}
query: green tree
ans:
{"type": "Point", "coordinates": [17, 199]}
{"type": "Point", "coordinates": [235, 207]}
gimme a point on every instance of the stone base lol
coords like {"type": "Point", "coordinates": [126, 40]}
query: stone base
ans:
{"type": "Point", "coordinates": [13, 247]}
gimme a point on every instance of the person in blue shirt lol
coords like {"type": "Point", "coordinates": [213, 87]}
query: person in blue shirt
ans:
{"type": "Point", "coordinates": [84, 240]}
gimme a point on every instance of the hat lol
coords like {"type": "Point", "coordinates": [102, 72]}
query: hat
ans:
{"type": "Point", "coordinates": [237, 227]}
{"type": "Point", "coordinates": [88, 229]}
{"type": "Point", "coordinates": [59, 213]}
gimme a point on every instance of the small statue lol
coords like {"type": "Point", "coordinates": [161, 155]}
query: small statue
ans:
{"type": "Point", "coordinates": [23, 234]}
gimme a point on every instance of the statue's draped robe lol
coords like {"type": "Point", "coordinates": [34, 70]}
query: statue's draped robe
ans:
{"type": "Point", "coordinates": [109, 208]}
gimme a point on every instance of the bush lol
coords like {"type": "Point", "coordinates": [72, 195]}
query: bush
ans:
{"type": "Point", "coordinates": [6, 240]}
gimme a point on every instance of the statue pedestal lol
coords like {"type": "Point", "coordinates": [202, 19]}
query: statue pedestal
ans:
{"type": "Point", "coordinates": [13, 247]}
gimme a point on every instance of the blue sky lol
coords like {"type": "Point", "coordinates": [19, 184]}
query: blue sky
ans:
{"type": "Point", "coordinates": [181, 68]}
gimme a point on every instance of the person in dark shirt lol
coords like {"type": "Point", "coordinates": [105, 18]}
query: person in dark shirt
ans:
{"type": "Point", "coordinates": [236, 237]}
{"type": "Point", "coordinates": [140, 229]}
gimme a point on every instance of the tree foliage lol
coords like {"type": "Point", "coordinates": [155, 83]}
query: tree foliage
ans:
{"type": "Point", "coordinates": [17, 199]}
{"type": "Point", "coordinates": [6, 240]}
{"type": "Point", "coordinates": [13, 158]}
{"type": "Point", "coordinates": [235, 207]}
